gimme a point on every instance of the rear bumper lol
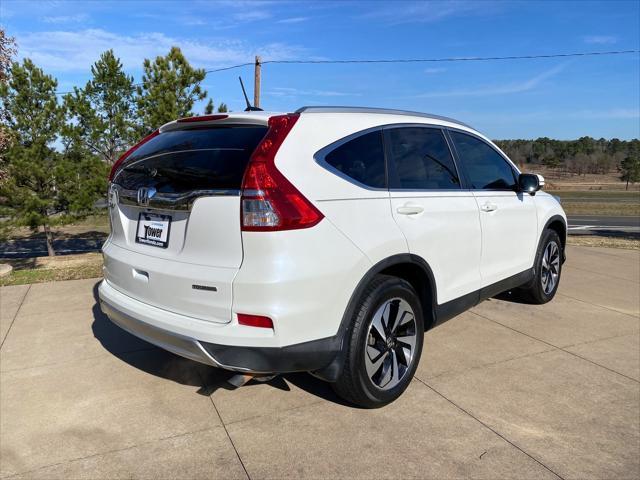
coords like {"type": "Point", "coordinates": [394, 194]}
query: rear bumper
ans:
{"type": "Point", "coordinates": [173, 342]}
{"type": "Point", "coordinates": [143, 321]}
{"type": "Point", "coordinates": [302, 357]}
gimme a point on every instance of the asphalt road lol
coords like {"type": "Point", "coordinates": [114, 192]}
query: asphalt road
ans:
{"type": "Point", "coordinates": [36, 247]}
{"type": "Point", "coordinates": [599, 224]}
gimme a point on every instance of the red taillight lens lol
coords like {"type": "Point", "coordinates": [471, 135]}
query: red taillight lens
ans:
{"type": "Point", "coordinates": [255, 321]}
{"type": "Point", "coordinates": [124, 156]}
{"type": "Point", "coordinates": [270, 202]}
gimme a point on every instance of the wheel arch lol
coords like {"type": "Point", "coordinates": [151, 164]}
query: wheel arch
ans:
{"type": "Point", "coordinates": [409, 267]}
{"type": "Point", "coordinates": [418, 273]}
{"type": "Point", "coordinates": [558, 224]}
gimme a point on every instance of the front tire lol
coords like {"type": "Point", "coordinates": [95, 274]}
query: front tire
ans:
{"type": "Point", "coordinates": [384, 344]}
{"type": "Point", "coordinates": [548, 268]}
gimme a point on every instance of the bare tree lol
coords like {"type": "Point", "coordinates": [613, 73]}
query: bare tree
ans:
{"type": "Point", "coordinates": [7, 51]}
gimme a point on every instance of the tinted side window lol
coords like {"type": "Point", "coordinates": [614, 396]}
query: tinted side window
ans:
{"type": "Point", "coordinates": [420, 159]}
{"type": "Point", "coordinates": [361, 158]}
{"type": "Point", "coordinates": [197, 159]}
{"type": "Point", "coordinates": [485, 167]}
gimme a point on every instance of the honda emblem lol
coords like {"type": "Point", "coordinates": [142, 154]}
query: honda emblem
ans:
{"type": "Point", "coordinates": [145, 194]}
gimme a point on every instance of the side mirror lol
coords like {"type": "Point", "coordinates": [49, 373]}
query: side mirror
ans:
{"type": "Point", "coordinates": [530, 183]}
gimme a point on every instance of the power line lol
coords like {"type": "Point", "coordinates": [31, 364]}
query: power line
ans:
{"type": "Point", "coordinates": [456, 59]}
{"type": "Point", "coordinates": [232, 67]}
{"type": "Point", "coordinates": [428, 60]}
{"type": "Point", "coordinates": [415, 60]}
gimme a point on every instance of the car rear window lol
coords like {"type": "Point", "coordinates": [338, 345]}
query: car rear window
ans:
{"type": "Point", "coordinates": [196, 159]}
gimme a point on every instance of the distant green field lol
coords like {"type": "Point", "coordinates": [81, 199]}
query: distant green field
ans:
{"type": "Point", "coordinates": [600, 202]}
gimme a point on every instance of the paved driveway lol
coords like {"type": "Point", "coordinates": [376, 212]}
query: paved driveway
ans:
{"type": "Point", "coordinates": [506, 390]}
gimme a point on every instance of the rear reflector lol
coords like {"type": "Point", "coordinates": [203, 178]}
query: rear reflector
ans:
{"type": "Point", "coordinates": [269, 201]}
{"type": "Point", "coordinates": [202, 118]}
{"type": "Point", "coordinates": [254, 321]}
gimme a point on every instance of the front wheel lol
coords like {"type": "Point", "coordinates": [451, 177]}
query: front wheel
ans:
{"type": "Point", "coordinates": [383, 345]}
{"type": "Point", "coordinates": [548, 268]}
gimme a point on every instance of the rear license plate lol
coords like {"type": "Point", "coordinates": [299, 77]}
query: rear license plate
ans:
{"type": "Point", "coordinates": [153, 229]}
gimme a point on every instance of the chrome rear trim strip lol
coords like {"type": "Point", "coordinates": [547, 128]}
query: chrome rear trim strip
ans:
{"type": "Point", "coordinates": [170, 201]}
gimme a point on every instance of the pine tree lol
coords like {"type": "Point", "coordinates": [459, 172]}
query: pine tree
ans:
{"type": "Point", "coordinates": [208, 109]}
{"type": "Point", "coordinates": [102, 113]}
{"type": "Point", "coordinates": [630, 168]}
{"type": "Point", "coordinates": [42, 187]}
{"type": "Point", "coordinates": [170, 87]}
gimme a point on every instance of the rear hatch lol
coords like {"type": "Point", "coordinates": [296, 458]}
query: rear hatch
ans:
{"type": "Point", "coordinates": [175, 214]}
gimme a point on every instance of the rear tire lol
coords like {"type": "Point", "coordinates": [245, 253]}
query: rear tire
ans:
{"type": "Point", "coordinates": [383, 345]}
{"type": "Point", "coordinates": [548, 268]}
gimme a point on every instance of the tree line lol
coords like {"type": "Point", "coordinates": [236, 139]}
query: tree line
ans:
{"type": "Point", "coordinates": [56, 150]}
{"type": "Point", "coordinates": [578, 157]}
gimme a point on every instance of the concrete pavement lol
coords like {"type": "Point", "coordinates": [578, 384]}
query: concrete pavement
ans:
{"type": "Point", "coordinates": [504, 391]}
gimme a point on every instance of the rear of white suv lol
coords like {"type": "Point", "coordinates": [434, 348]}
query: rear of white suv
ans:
{"type": "Point", "coordinates": [324, 241]}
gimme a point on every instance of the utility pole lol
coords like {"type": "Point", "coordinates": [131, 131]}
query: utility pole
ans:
{"type": "Point", "coordinates": [256, 83]}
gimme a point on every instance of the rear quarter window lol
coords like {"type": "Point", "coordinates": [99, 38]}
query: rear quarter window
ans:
{"type": "Point", "coordinates": [360, 159]}
{"type": "Point", "coordinates": [181, 161]}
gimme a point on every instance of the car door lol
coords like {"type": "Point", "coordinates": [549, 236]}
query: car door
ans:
{"type": "Point", "coordinates": [508, 218]}
{"type": "Point", "coordinates": [439, 219]}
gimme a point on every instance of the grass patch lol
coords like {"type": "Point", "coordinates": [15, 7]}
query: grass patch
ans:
{"type": "Point", "coordinates": [598, 195]}
{"type": "Point", "coordinates": [607, 209]}
{"type": "Point", "coordinates": [600, 202]}
{"type": "Point", "coordinates": [51, 269]}
{"type": "Point", "coordinates": [93, 224]}
{"type": "Point", "coordinates": [600, 241]}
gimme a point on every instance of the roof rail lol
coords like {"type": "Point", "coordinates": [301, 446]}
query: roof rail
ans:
{"type": "Point", "coordinates": [388, 111]}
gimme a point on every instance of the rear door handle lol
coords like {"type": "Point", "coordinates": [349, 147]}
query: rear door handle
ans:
{"type": "Point", "coordinates": [489, 207]}
{"type": "Point", "coordinates": [409, 209]}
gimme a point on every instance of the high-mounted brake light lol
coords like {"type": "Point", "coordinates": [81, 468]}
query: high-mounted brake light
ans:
{"type": "Point", "coordinates": [269, 201]}
{"type": "Point", "coordinates": [202, 118]}
{"type": "Point", "coordinates": [255, 321]}
{"type": "Point", "coordinates": [124, 156]}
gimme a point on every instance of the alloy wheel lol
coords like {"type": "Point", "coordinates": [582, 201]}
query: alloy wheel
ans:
{"type": "Point", "coordinates": [391, 342]}
{"type": "Point", "coordinates": [550, 267]}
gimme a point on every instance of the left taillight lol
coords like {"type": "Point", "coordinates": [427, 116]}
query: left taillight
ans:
{"type": "Point", "coordinates": [126, 154]}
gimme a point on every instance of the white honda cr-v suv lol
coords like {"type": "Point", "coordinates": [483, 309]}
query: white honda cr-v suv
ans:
{"type": "Point", "coordinates": [326, 240]}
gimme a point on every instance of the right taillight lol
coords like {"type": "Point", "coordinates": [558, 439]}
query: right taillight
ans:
{"type": "Point", "coordinates": [269, 201]}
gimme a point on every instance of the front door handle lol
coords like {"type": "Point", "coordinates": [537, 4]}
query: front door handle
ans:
{"type": "Point", "coordinates": [409, 209]}
{"type": "Point", "coordinates": [489, 207]}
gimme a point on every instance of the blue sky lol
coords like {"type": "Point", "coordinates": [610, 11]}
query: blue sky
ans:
{"type": "Point", "coordinates": [558, 98]}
